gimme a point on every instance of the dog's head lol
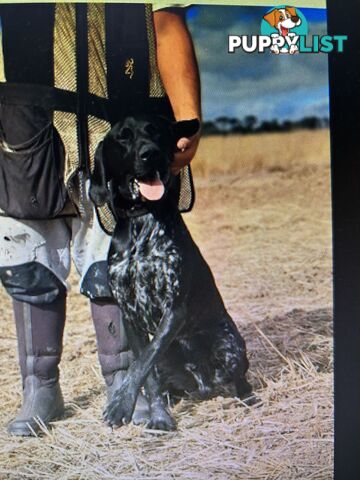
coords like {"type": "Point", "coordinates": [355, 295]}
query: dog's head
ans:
{"type": "Point", "coordinates": [283, 19]}
{"type": "Point", "coordinates": [133, 161]}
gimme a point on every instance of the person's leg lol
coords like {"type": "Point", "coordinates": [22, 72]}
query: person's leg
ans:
{"type": "Point", "coordinates": [34, 262]}
{"type": "Point", "coordinates": [39, 333]}
{"type": "Point", "coordinates": [90, 249]}
{"type": "Point", "coordinates": [114, 354]}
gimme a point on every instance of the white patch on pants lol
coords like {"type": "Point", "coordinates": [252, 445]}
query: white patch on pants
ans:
{"type": "Point", "coordinates": [48, 242]}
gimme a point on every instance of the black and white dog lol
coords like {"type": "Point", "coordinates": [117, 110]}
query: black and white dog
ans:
{"type": "Point", "coordinates": [159, 278]}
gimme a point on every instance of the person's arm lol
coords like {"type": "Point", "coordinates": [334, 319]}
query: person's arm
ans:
{"type": "Point", "coordinates": [180, 76]}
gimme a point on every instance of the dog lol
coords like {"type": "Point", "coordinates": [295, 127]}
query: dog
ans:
{"type": "Point", "coordinates": [283, 19]}
{"type": "Point", "coordinates": [159, 278]}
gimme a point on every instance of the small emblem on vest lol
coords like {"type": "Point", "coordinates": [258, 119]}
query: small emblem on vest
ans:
{"type": "Point", "coordinates": [129, 67]}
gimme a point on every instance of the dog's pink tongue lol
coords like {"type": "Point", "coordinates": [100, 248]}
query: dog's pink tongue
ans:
{"type": "Point", "coordinates": [152, 190]}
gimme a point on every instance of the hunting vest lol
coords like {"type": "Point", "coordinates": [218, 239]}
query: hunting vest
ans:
{"type": "Point", "coordinates": [86, 66]}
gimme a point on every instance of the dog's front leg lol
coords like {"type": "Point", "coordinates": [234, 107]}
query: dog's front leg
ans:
{"type": "Point", "coordinates": [160, 418]}
{"type": "Point", "coordinates": [121, 408]}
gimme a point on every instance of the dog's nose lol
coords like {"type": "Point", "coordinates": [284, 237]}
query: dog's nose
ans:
{"type": "Point", "coordinates": [295, 18]}
{"type": "Point", "coordinates": [147, 153]}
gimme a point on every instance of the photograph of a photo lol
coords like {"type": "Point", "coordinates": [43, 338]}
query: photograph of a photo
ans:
{"type": "Point", "coordinates": [165, 241]}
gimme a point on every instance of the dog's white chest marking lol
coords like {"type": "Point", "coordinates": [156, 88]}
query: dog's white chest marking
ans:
{"type": "Point", "coordinates": [145, 277]}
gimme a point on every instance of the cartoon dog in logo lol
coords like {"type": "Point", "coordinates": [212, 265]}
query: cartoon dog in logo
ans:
{"type": "Point", "coordinates": [283, 19]}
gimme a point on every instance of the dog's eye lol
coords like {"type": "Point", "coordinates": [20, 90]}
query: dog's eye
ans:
{"type": "Point", "coordinates": [125, 134]}
{"type": "Point", "coordinates": [150, 129]}
{"type": "Point", "coordinates": [281, 18]}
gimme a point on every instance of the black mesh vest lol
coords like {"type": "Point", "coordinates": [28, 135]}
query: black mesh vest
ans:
{"type": "Point", "coordinates": [81, 67]}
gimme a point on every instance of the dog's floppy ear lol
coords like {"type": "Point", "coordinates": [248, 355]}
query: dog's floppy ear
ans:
{"type": "Point", "coordinates": [272, 17]}
{"type": "Point", "coordinates": [185, 128]}
{"type": "Point", "coordinates": [292, 11]}
{"type": "Point", "coordinates": [98, 191]}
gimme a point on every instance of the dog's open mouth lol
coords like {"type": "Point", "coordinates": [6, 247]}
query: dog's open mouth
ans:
{"type": "Point", "coordinates": [149, 189]}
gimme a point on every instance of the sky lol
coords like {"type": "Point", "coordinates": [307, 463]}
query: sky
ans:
{"type": "Point", "coordinates": [265, 85]}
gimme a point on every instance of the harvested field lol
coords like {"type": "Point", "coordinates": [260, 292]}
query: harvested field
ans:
{"type": "Point", "coordinates": [263, 221]}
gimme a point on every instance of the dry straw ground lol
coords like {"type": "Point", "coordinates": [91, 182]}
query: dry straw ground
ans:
{"type": "Point", "coordinates": [262, 219]}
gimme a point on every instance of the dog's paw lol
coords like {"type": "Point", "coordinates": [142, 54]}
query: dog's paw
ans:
{"type": "Point", "coordinates": [120, 409]}
{"type": "Point", "coordinates": [275, 49]}
{"type": "Point", "coordinates": [161, 420]}
{"type": "Point", "coordinates": [141, 415]}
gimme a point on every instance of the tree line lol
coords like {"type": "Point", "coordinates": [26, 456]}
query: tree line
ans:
{"type": "Point", "coordinates": [251, 124]}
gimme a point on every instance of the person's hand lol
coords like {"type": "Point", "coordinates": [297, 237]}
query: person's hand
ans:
{"type": "Point", "coordinates": [187, 149]}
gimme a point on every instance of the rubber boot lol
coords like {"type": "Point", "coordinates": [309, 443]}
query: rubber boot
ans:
{"type": "Point", "coordinates": [114, 355]}
{"type": "Point", "coordinates": [39, 331]}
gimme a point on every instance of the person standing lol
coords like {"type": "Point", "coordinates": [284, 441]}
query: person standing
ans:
{"type": "Point", "coordinates": [68, 72]}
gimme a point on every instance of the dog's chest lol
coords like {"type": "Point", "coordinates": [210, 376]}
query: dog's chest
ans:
{"type": "Point", "coordinates": [145, 277]}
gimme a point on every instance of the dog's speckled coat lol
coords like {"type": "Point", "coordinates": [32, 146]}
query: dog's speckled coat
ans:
{"type": "Point", "coordinates": [160, 279]}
